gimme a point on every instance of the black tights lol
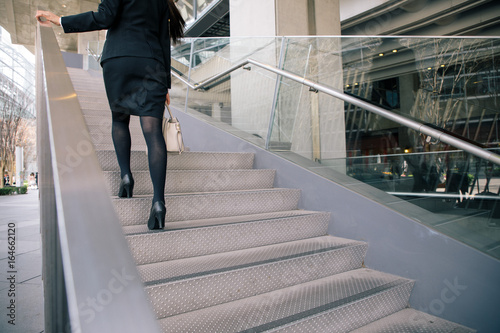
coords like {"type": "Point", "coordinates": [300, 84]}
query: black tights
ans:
{"type": "Point", "coordinates": [157, 151]}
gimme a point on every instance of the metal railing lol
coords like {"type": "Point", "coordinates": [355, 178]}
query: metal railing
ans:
{"type": "Point", "coordinates": [91, 283]}
{"type": "Point", "coordinates": [430, 131]}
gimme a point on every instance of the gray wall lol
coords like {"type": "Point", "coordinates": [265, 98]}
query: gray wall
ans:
{"type": "Point", "coordinates": [74, 60]}
{"type": "Point", "coordinates": [453, 281]}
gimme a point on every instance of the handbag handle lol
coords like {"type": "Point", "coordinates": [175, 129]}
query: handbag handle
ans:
{"type": "Point", "coordinates": [169, 112]}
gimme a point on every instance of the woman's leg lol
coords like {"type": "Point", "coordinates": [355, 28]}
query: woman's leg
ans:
{"type": "Point", "coordinates": [157, 155]}
{"type": "Point", "coordinates": [122, 141]}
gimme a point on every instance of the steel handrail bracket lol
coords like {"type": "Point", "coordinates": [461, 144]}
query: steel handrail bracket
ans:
{"type": "Point", "coordinates": [317, 87]}
{"type": "Point", "coordinates": [103, 290]}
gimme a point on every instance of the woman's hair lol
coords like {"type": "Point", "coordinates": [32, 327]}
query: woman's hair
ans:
{"type": "Point", "coordinates": [176, 22]}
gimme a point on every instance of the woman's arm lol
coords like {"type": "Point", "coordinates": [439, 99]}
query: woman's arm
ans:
{"type": "Point", "coordinates": [44, 17]}
{"type": "Point", "coordinates": [103, 18]}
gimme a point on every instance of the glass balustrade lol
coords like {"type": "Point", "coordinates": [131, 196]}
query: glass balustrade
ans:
{"type": "Point", "coordinates": [452, 84]}
{"type": "Point", "coordinates": [193, 9]}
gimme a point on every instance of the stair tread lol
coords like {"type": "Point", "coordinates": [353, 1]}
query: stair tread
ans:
{"type": "Point", "coordinates": [240, 274]}
{"type": "Point", "coordinates": [411, 320]}
{"type": "Point", "coordinates": [198, 205]}
{"type": "Point", "coordinates": [277, 308]}
{"type": "Point", "coordinates": [157, 246]}
{"type": "Point", "coordinates": [188, 181]}
{"type": "Point", "coordinates": [208, 222]}
{"type": "Point", "coordinates": [149, 197]}
{"type": "Point", "coordinates": [186, 161]}
{"type": "Point", "coordinates": [164, 272]}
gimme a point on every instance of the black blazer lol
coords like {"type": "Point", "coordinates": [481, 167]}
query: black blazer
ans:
{"type": "Point", "coordinates": [136, 28]}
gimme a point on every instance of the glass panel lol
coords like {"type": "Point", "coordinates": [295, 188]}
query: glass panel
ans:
{"type": "Point", "coordinates": [448, 83]}
{"type": "Point", "coordinates": [452, 84]}
{"type": "Point", "coordinates": [244, 98]}
{"type": "Point", "coordinates": [307, 123]}
{"type": "Point", "coordinates": [188, 11]}
{"type": "Point", "coordinates": [186, 8]}
{"type": "Point", "coordinates": [204, 4]}
{"type": "Point", "coordinates": [94, 51]}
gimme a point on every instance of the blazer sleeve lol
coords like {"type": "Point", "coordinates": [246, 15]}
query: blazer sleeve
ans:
{"type": "Point", "coordinates": [104, 18]}
{"type": "Point", "coordinates": [165, 46]}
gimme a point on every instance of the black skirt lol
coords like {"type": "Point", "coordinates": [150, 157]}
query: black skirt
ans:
{"type": "Point", "coordinates": [135, 86]}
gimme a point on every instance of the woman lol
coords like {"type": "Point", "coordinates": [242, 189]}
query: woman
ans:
{"type": "Point", "coordinates": [136, 70]}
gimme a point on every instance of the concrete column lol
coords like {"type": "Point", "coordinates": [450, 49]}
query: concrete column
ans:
{"type": "Point", "coordinates": [19, 166]}
{"type": "Point", "coordinates": [284, 17]}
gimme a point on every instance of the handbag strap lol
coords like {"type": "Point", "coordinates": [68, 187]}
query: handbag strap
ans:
{"type": "Point", "coordinates": [168, 109]}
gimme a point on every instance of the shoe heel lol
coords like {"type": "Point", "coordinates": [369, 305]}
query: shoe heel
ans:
{"type": "Point", "coordinates": [157, 216]}
{"type": "Point", "coordinates": [126, 187]}
{"type": "Point", "coordinates": [125, 191]}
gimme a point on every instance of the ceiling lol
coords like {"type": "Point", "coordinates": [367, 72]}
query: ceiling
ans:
{"type": "Point", "coordinates": [393, 17]}
{"type": "Point", "coordinates": [17, 17]}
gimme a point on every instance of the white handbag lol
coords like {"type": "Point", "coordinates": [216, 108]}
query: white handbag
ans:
{"type": "Point", "coordinates": [172, 133]}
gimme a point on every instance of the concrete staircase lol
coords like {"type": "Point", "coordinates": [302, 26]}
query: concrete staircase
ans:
{"type": "Point", "coordinates": [237, 254]}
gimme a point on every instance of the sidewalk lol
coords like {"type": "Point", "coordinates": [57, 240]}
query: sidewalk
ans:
{"type": "Point", "coordinates": [21, 213]}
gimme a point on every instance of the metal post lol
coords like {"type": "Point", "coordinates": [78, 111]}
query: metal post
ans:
{"type": "Point", "coordinates": [189, 73]}
{"type": "Point", "coordinates": [276, 93]}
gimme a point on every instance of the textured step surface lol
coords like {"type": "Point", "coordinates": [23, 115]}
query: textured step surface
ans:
{"type": "Point", "coordinates": [160, 246]}
{"type": "Point", "coordinates": [183, 207]}
{"type": "Point", "coordinates": [363, 294]}
{"type": "Point", "coordinates": [185, 161]}
{"type": "Point", "coordinates": [175, 270]}
{"type": "Point", "coordinates": [235, 275]}
{"type": "Point", "coordinates": [188, 181]}
{"type": "Point", "coordinates": [188, 224]}
{"type": "Point", "coordinates": [410, 320]}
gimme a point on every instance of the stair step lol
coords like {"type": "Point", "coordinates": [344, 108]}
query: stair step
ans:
{"type": "Point", "coordinates": [184, 161]}
{"type": "Point", "coordinates": [105, 121]}
{"type": "Point", "coordinates": [90, 86]}
{"type": "Point", "coordinates": [341, 302]}
{"type": "Point", "coordinates": [92, 97]}
{"type": "Point", "coordinates": [189, 224]}
{"type": "Point", "coordinates": [410, 320]}
{"type": "Point", "coordinates": [183, 207]}
{"type": "Point", "coordinates": [105, 128]}
{"type": "Point", "coordinates": [95, 105]}
{"type": "Point", "coordinates": [104, 139]}
{"type": "Point", "coordinates": [151, 247]}
{"type": "Point", "coordinates": [108, 162]}
{"type": "Point", "coordinates": [100, 112]}
{"type": "Point", "coordinates": [136, 146]}
{"type": "Point", "coordinates": [226, 277]}
{"type": "Point", "coordinates": [189, 181]}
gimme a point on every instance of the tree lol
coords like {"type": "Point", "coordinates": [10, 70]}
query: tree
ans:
{"type": "Point", "coordinates": [15, 118]}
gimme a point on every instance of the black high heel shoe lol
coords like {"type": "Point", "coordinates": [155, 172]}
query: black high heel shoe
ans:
{"type": "Point", "coordinates": [126, 187]}
{"type": "Point", "coordinates": [157, 216]}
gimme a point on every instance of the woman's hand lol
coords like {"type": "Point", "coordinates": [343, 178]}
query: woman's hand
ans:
{"type": "Point", "coordinates": [167, 101]}
{"type": "Point", "coordinates": [44, 17]}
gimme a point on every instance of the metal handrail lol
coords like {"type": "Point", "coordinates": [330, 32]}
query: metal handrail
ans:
{"type": "Point", "coordinates": [425, 129]}
{"type": "Point", "coordinates": [91, 282]}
